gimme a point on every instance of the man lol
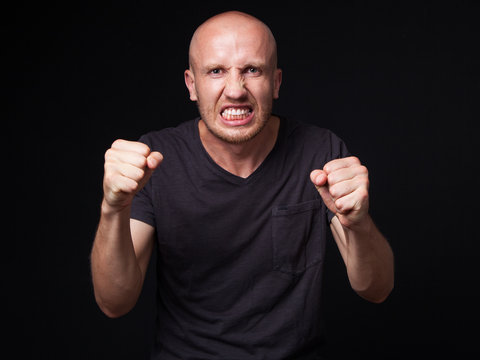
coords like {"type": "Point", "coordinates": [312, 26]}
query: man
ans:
{"type": "Point", "coordinates": [238, 202]}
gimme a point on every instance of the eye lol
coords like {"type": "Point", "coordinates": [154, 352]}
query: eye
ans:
{"type": "Point", "coordinates": [253, 71]}
{"type": "Point", "coordinates": [215, 71]}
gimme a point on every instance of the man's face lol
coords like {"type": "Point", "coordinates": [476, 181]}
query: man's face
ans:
{"type": "Point", "coordinates": [234, 79]}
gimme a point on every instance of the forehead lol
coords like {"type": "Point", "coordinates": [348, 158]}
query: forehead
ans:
{"type": "Point", "coordinates": [232, 44]}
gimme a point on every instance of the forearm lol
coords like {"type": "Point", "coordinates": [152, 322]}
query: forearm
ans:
{"type": "Point", "coordinates": [117, 278]}
{"type": "Point", "coordinates": [369, 260]}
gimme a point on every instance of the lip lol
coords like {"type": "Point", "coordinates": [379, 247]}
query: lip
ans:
{"type": "Point", "coordinates": [240, 122]}
{"type": "Point", "coordinates": [238, 106]}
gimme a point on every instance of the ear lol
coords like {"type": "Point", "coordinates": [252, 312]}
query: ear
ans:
{"type": "Point", "coordinates": [190, 82]}
{"type": "Point", "coordinates": [277, 81]}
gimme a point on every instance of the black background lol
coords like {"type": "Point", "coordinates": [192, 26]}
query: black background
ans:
{"type": "Point", "coordinates": [395, 80]}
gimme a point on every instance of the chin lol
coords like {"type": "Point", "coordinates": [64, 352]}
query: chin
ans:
{"type": "Point", "coordinates": [238, 134]}
{"type": "Point", "coordinates": [236, 128]}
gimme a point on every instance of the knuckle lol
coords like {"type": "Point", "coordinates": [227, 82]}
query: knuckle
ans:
{"type": "Point", "coordinates": [142, 161]}
{"type": "Point", "coordinates": [108, 171]}
{"type": "Point", "coordinates": [364, 194]}
{"type": "Point", "coordinates": [145, 149]}
{"type": "Point", "coordinates": [115, 180]}
{"type": "Point", "coordinates": [110, 183]}
{"type": "Point", "coordinates": [361, 182]}
{"type": "Point", "coordinates": [139, 174]}
{"type": "Point", "coordinates": [119, 143]}
{"type": "Point", "coordinates": [327, 167]}
{"type": "Point", "coordinates": [133, 186]}
{"type": "Point", "coordinates": [363, 170]}
{"type": "Point", "coordinates": [140, 148]}
{"type": "Point", "coordinates": [131, 146]}
{"type": "Point", "coordinates": [354, 163]}
{"type": "Point", "coordinates": [107, 178]}
{"type": "Point", "coordinates": [339, 205]}
{"type": "Point", "coordinates": [354, 160]}
{"type": "Point", "coordinates": [110, 168]}
{"type": "Point", "coordinates": [331, 178]}
{"type": "Point", "coordinates": [109, 154]}
{"type": "Point", "coordinates": [333, 191]}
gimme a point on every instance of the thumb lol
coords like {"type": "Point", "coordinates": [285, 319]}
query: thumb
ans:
{"type": "Point", "coordinates": [320, 180]}
{"type": "Point", "coordinates": [154, 159]}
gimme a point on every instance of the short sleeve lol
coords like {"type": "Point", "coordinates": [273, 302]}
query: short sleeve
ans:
{"type": "Point", "coordinates": [142, 208]}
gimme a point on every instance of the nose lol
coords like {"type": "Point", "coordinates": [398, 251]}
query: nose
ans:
{"type": "Point", "coordinates": [235, 87]}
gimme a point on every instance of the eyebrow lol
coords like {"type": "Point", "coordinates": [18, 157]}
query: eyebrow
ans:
{"type": "Point", "coordinates": [210, 67]}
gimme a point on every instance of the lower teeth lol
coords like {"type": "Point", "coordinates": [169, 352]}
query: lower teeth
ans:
{"type": "Point", "coordinates": [236, 117]}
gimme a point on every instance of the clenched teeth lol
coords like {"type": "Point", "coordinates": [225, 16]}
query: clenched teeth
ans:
{"type": "Point", "coordinates": [235, 113]}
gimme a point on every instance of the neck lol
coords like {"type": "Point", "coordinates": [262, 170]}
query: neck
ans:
{"type": "Point", "coordinates": [241, 159]}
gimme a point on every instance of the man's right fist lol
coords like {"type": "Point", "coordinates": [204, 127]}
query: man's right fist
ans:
{"type": "Point", "coordinates": [128, 166]}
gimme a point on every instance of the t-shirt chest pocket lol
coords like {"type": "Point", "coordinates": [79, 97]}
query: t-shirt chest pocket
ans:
{"type": "Point", "coordinates": [298, 236]}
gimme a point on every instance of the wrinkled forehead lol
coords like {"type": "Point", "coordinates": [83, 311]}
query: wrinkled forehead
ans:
{"type": "Point", "coordinates": [233, 41]}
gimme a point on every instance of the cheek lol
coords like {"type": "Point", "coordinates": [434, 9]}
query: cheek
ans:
{"type": "Point", "coordinates": [264, 94]}
{"type": "Point", "coordinates": [208, 94]}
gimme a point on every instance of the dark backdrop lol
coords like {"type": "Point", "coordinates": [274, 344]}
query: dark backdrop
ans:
{"type": "Point", "coordinates": [396, 82]}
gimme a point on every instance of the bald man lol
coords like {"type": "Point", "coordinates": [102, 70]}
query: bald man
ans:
{"type": "Point", "coordinates": [238, 202]}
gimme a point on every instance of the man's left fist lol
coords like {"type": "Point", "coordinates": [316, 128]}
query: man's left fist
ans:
{"type": "Point", "coordinates": [343, 186]}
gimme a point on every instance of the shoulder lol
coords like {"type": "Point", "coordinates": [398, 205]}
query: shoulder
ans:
{"type": "Point", "coordinates": [311, 135]}
{"type": "Point", "coordinates": [171, 136]}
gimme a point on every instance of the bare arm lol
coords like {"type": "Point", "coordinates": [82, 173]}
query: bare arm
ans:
{"type": "Point", "coordinates": [368, 259]}
{"type": "Point", "coordinates": [343, 186]}
{"type": "Point", "coordinates": [119, 262]}
{"type": "Point", "coordinates": [122, 247]}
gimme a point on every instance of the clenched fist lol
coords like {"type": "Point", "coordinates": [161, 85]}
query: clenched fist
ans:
{"type": "Point", "coordinates": [128, 166]}
{"type": "Point", "coordinates": [343, 186]}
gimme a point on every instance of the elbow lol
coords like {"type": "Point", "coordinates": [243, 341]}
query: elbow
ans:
{"type": "Point", "coordinates": [114, 300]}
{"type": "Point", "coordinates": [387, 293]}
{"type": "Point", "coordinates": [110, 309]}
{"type": "Point", "coordinates": [376, 296]}
{"type": "Point", "coordinates": [377, 287]}
{"type": "Point", "coordinates": [112, 313]}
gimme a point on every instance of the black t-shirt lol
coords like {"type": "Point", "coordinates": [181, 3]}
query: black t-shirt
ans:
{"type": "Point", "coordinates": [240, 260]}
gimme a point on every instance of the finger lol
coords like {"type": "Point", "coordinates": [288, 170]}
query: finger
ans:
{"type": "Point", "coordinates": [327, 198]}
{"type": "Point", "coordinates": [122, 184]}
{"type": "Point", "coordinates": [343, 188]}
{"type": "Point", "coordinates": [358, 172]}
{"type": "Point", "coordinates": [354, 201]}
{"type": "Point", "coordinates": [126, 157]}
{"type": "Point", "coordinates": [133, 158]}
{"type": "Point", "coordinates": [133, 172]}
{"type": "Point", "coordinates": [339, 175]}
{"type": "Point", "coordinates": [133, 146]}
{"type": "Point", "coordinates": [154, 159]}
{"type": "Point", "coordinates": [341, 163]}
{"type": "Point", "coordinates": [318, 177]}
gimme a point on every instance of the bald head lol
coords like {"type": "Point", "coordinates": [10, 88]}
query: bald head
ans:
{"type": "Point", "coordinates": [233, 76]}
{"type": "Point", "coordinates": [237, 25]}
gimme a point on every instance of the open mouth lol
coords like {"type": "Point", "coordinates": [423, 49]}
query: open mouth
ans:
{"type": "Point", "coordinates": [236, 113]}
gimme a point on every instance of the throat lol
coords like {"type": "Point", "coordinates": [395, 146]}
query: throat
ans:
{"type": "Point", "coordinates": [240, 159]}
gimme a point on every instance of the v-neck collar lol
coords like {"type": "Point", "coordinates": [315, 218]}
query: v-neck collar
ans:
{"type": "Point", "coordinates": [225, 174]}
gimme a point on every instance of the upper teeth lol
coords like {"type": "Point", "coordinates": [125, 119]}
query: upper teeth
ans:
{"type": "Point", "coordinates": [233, 111]}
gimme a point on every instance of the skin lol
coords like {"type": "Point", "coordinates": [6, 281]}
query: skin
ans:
{"type": "Point", "coordinates": [343, 186]}
{"type": "Point", "coordinates": [233, 66]}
